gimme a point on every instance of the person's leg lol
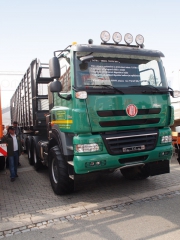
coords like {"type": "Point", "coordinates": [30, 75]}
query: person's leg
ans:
{"type": "Point", "coordinates": [19, 164]}
{"type": "Point", "coordinates": [11, 167]}
{"type": "Point", "coordinates": [16, 159]}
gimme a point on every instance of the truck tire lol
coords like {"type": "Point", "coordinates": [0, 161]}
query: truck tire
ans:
{"type": "Point", "coordinates": [29, 153]}
{"type": "Point", "coordinates": [134, 173]}
{"type": "Point", "coordinates": [58, 172]}
{"type": "Point", "coordinates": [37, 164]}
{"type": "Point", "coordinates": [2, 163]}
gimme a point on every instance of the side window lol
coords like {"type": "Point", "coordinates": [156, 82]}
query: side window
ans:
{"type": "Point", "coordinates": [150, 74]}
{"type": "Point", "coordinates": [65, 78]}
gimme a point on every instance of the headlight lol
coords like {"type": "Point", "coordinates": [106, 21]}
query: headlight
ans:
{"type": "Point", "coordinates": [92, 147]}
{"type": "Point", "coordinates": [166, 139]}
{"type": "Point", "coordinates": [105, 36]}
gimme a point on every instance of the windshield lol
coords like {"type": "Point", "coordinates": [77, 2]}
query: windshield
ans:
{"type": "Point", "coordinates": [119, 71]}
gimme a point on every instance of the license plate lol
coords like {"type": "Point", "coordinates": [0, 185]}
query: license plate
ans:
{"type": "Point", "coordinates": [134, 148]}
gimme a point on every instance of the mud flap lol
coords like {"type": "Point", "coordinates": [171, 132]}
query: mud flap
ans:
{"type": "Point", "coordinates": [159, 167]}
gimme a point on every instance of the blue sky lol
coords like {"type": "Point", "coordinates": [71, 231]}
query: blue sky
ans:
{"type": "Point", "coordinates": [34, 29]}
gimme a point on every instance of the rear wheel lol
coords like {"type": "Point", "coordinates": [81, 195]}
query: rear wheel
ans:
{"type": "Point", "coordinates": [137, 172]}
{"type": "Point", "coordinates": [37, 163]}
{"type": "Point", "coordinates": [29, 152]}
{"type": "Point", "coordinates": [58, 171]}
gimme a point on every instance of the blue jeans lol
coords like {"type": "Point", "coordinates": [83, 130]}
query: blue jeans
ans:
{"type": "Point", "coordinates": [13, 163]}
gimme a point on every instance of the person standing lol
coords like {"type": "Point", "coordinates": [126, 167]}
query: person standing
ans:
{"type": "Point", "coordinates": [18, 134]}
{"type": "Point", "coordinates": [14, 150]}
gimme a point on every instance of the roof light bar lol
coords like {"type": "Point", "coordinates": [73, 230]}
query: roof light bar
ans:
{"type": "Point", "coordinates": [117, 38]}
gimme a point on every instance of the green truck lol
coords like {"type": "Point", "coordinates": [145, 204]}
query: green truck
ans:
{"type": "Point", "coordinates": [106, 107]}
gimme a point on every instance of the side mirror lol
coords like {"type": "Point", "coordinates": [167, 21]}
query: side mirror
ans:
{"type": "Point", "coordinates": [54, 68]}
{"type": "Point", "coordinates": [55, 86]}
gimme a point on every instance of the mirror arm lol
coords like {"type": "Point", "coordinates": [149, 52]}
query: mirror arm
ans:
{"type": "Point", "coordinates": [66, 98]}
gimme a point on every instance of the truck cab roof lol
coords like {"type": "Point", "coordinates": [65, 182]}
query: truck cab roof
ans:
{"type": "Point", "coordinates": [119, 49]}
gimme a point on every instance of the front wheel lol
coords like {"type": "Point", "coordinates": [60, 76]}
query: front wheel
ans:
{"type": "Point", "coordinates": [58, 171]}
{"type": "Point", "coordinates": [137, 172]}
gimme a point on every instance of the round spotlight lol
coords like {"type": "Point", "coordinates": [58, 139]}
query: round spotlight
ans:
{"type": "Point", "coordinates": [139, 39]}
{"type": "Point", "coordinates": [117, 37]}
{"type": "Point", "coordinates": [105, 36]}
{"type": "Point", "coordinates": [128, 38]}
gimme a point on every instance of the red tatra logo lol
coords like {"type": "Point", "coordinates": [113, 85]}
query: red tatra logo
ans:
{"type": "Point", "coordinates": [131, 110]}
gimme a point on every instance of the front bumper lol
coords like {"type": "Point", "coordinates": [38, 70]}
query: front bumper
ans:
{"type": "Point", "coordinates": [92, 163]}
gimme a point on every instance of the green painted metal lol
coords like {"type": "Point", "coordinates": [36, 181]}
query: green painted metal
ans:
{"type": "Point", "coordinates": [112, 162]}
{"type": "Point", "coordinates": [85, 119]}
{"type": "Point", "coordinates": [120, 102]}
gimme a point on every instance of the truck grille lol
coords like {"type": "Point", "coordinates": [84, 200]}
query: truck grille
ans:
{"type": "Point", "coordinates": [117, 113]}
{"type": "Point", "coordinates": [124, 143]}
{"type": "Point", "coordinates": [129, 122]}
{"type": "Point", "coordinates": [112, 113]}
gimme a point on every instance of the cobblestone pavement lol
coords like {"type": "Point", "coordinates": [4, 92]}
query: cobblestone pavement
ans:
{"type": "Point", "coordinates": [29, 203]}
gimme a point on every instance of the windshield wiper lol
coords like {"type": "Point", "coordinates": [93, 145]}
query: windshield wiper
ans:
{"type": "Point", "coordinates": [147, 87]}
{"type": "Point", "coordinates": [110, 87]}
{"type": "Point", "coordinates": [152, 87]}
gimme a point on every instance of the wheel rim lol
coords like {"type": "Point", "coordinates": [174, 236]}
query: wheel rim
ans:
{"type": "Point", "coordinates": [54, 171]}
{"type": "Point", "coordinates": [35, 157]}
